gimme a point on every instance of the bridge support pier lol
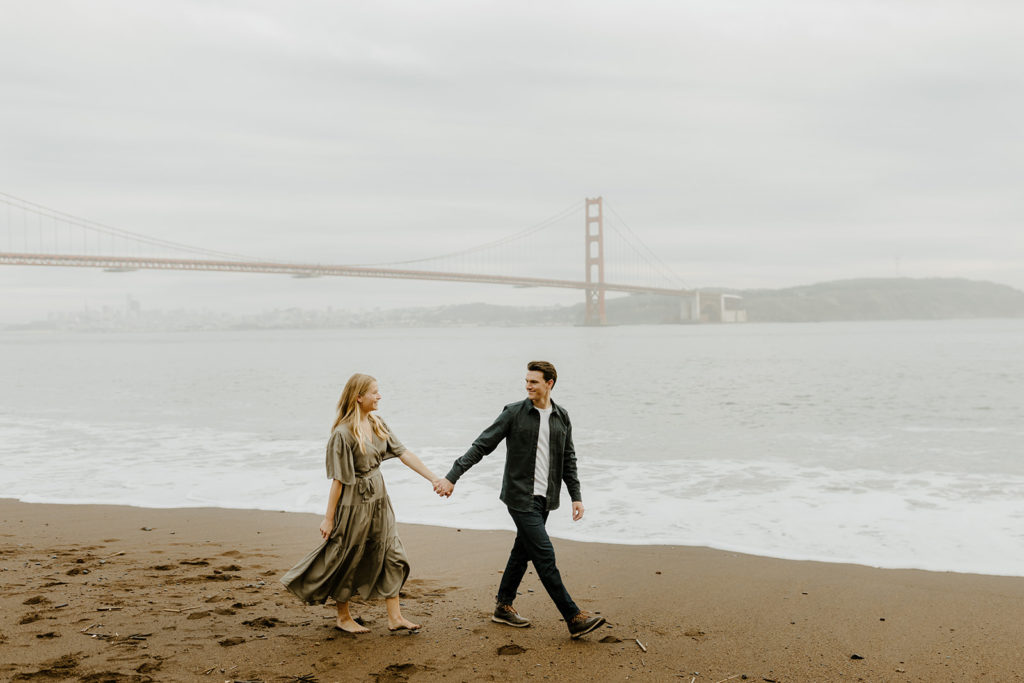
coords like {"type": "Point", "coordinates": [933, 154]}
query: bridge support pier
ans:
{"type": "Point", "coordinates": [689, 308]}
{"type": "Point", "coordinates": [595, 311]}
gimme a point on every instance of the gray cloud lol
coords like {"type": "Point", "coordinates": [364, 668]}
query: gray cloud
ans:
{"type": "Point", "coordinates": [750, 144]}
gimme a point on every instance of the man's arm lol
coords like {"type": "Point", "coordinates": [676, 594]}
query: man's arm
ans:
{"type": "Point", "coordinates": [484, 445]}
{"type": "Point", "coordinates": [569, 473]}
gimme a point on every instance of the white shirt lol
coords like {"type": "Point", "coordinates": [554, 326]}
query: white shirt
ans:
{"type": "Point", "coordinates": [540, 472]}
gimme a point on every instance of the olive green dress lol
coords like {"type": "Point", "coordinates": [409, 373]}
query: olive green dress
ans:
{"type": "Point", "coordinates": [363, 556]}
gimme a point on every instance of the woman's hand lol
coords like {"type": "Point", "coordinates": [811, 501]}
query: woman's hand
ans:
{"type": "Point", "coordinates": [443, 487]}
{"type": "Point", "coordinates": [326, 527]}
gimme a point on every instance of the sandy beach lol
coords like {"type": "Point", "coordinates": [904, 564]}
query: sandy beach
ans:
{"type": "Point", "coordinates": [109, 593]}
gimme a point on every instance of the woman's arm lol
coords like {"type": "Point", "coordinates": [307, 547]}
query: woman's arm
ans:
{"type": "Point", "coordinates": [333, 497]}
{"type": "Point", "coordinates": [416, 465]}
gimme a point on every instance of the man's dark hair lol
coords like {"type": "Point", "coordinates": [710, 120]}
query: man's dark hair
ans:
{"type": "Point", "coordinates": [545, 368]}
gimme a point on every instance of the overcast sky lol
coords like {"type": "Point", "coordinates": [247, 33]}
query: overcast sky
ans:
{"type": "Point", "coordinates": [750, 144]}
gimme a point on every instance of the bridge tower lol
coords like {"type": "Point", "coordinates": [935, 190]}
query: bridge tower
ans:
{"type": "Point", "coordinates": [595, 314]}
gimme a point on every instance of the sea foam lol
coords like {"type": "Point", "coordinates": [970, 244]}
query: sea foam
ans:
{"type": "Point", "coordinates": [940, 521]}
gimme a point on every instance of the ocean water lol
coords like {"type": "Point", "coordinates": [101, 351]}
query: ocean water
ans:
{"type": "Point", "coordinates": [893, 444]}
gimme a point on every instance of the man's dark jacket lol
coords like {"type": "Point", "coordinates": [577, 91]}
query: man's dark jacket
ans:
{"type": "Point", "coordinates": [519, 425]}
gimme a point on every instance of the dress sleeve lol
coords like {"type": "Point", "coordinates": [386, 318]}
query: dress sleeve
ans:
{"type": "Point", "coordinates": [340, 463]}
{"type": "Point", "coordinates": [394, 448]}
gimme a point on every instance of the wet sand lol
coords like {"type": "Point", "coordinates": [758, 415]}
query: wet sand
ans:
{"type": "Point", "coordinates": [108, 593]}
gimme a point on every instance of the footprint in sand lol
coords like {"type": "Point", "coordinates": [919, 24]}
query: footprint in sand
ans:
{"type": "Point", "coordinates": [205, 577]}
{"type": "Point", "coordinates": [150, 667]}
{"type": "Point", "coordinates": [62, 668]}
{"type": "Point", "coordinates": [108, 677]}
{"type": "Point", "coordinates": [263, 622]}
{"type": "Point", "coordinates": [399, 672]}
{"type": "Point", "coordinates": [417, 589]}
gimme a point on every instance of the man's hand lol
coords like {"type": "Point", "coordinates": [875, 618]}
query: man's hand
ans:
{"type": "Point", "coordinates": [443, 488]}
{"type": "Point", "coordinates": [577, 510]}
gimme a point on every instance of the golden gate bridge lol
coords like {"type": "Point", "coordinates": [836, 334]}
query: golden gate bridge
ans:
{"type": "Point", "coordinates": [37, 235]}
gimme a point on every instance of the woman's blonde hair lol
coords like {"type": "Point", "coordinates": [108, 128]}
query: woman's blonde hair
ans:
{"type": "Point", "coordinates": [349, 413]}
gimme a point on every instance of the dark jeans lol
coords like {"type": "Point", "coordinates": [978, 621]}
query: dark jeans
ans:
{"type": "Point", "coordinates": [533, 545]}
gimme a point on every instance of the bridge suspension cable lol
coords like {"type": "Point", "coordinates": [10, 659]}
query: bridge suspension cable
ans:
{"type": "Point", "coordinates": [656, 266]}
{"type": "Point", "coordinates": [70, 220]}
{"type": "Point", "coordinates": [535, 256]}
{"type": "Point", "coordinates": [508, 239]}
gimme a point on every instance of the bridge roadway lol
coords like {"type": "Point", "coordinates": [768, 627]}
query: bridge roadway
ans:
{"type": "Point", "coordinates": [124, 263]}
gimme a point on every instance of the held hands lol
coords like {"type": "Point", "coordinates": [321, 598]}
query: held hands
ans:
{"type": "Point", "coordinates": [577, 510]}
{"type": "Point", "coordinates": [443, 487]}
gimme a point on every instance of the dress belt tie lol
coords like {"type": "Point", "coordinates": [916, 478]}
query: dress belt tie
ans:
{"type": "Point", "coordinates": [365, 486]}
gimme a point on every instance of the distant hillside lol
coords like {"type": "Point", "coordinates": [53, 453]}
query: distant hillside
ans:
{"type": "Point", "coordinates": [893, 299]}
{"type": "Point", "coordinates": [867, 299]}
{"type": "Point", "coordinates": [884, 299]}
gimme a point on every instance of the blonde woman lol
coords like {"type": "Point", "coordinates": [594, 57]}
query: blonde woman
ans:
{"type": "Point", "coordinates": [361, 553]}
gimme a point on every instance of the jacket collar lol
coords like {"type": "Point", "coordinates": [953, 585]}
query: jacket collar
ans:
{"type": "Point", "coordinates": [555, 408]}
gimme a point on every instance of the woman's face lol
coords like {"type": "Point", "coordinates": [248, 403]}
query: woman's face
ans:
{"type": "Point", "coordinates": [368, 401]}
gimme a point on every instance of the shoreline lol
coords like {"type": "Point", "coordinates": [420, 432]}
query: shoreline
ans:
{"type": "Point", "coordinates": [555, 536]}
{"type": "Point", "coordinates": [97, 592]}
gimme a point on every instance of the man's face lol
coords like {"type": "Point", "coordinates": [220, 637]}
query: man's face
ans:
{"type": "Point", "coordinates": [537, 390]}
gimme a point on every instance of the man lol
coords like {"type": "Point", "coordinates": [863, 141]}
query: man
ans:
{"type": "Point", "coordinates": [539, 457]}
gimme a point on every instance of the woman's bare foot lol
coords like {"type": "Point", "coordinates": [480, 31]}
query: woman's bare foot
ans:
{"type": "Point", "coordinates": [351, 626]}
{"type": "Point", "coordinates": [346, 623]}
{"type": "Point", "coordinates": [396, 622]}
{"type": "Point", "coordinates": [402, 624]}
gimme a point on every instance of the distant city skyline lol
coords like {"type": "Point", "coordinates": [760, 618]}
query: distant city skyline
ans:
{"type": "Point", "coordinates": [842, 300]}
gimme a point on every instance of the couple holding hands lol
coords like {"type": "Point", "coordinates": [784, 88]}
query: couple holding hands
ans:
{"type": "Point", "coordinates": [362, 555]}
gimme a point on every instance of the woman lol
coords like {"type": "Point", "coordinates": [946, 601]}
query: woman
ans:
{"type": "Point", "coordinates": [361, 553]}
